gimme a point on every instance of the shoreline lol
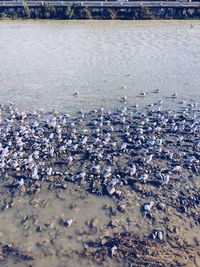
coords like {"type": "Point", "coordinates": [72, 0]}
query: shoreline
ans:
{"type": "Point", "coordinates": [93, 19]}
{"type": "Point", "coordinates": [76, 12]}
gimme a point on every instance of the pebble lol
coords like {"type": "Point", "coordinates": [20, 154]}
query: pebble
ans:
{"type": "Point", "coordinates": [157, 234]}
{"type": "Point", "coordinates": [113, 249]}
{"type": "Point", "coordinates": [69, 222]}
{"type": "Point", "coordinates": [114, 223]}
{"type": "Point", "coordinates": [111, 190]}
{"type": "Point", "coordinates": [147, 207]}
{"type": "Point", "coordinates": [161, 206]}
{"type": "Point", "coordinates": [183, 209]}
{"type": "Point", "coordinates": [94, 223]}
{"type": "Point", "coordinates": [72, 205]}
{"type": "Point", "coordinates": [160, 235]}
{"type": "Point", "coordinates": [122, 208]}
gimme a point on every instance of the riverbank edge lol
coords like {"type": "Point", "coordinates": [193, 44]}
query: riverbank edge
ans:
{"type": "Point", "coordinates": [73, 12]}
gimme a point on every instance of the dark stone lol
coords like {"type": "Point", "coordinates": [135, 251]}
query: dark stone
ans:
{"type": "Point", "coordinates": [183, 209]}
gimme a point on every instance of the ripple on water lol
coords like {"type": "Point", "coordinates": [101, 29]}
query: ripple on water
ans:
{"type": "Point", "coordinates": [46, 62]}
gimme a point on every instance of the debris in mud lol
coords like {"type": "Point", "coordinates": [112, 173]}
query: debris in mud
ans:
{"type": "Point", "coordinates": [11, 251]}
{"type": "Point", "coordinates": [94, 223]}
{"type": "Point", "coordinates": [66, 222]}
{"type": "Point", "coordinates": [146, 161]}
{"type": "Point", "coordinates": [130, 248]}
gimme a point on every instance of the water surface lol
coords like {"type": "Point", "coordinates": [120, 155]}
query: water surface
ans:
{"type": "Point", "coordinates": [42, 63]}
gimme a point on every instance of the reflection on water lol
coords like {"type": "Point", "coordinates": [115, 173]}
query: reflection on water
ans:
{"type": "Point", "coordinates": [44, 63]}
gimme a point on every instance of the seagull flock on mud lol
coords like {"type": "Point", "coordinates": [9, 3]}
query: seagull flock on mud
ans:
{"type": "Point", "coordinates": [100, 150]}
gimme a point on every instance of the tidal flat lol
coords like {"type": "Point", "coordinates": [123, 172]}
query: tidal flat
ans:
{"type": "Point", "coordinates": [114, 188]}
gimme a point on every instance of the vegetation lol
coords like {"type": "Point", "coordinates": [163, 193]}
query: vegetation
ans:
{"type": "Point", "coordinates": [26, 11]}
{"type": "Point", "coordinates": [85, 13]}
{"type": "Point", "coordinates": [112, 13]}
{"type": "Point", "coordinates": [69, 12]}
{"type": "Point", "coordinates": [146, 13]}
{"type": "Point", "coordinates": [74, 12]}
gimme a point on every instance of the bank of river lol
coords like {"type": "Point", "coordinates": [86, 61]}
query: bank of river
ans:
{"type": "Point", "coordinates": [102, 11]}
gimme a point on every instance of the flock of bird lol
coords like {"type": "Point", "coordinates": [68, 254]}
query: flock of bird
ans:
{"type": "Point", "coordinates": [100, 150]}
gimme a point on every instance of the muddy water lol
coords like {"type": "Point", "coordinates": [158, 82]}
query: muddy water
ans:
{"type": "Point", "coordinates": [44, 63]}
{"type": "Point", "coordinates": [36, 225]}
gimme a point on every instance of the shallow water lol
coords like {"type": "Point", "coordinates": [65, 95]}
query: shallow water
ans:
{"type": "Point", "coordinates": [34, 225]}
{"type": "Point", "coordinates": [42, 63]}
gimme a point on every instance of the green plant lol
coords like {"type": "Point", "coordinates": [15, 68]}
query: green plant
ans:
{"type": "Point", "coordinates": [112, 14]}
{"type": "Point", "coordinates": [146, 13]}
{"type": "Point", "coordinates": [85, 14]}
{"type": "Point", "coordinates": [26, 11]}
{"type": "Point", "coordinates": [69, 12]}
{"type": "Point", "coordinates": [3, 15]}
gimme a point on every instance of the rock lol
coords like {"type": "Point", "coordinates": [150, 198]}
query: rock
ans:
{"type": "Point", "coordinates": [137, 187]}
{"type": "Point", "coordinates": [72, 206]}
{"type": "Point", "coordinates": [118, 193]}
{"type": "Point", "coordinates": [34, 202]}
{"type": "Point", "coordinates": [160, 235]}
{"type": "Point", "coordinates": [113, 249]}
{"type": "Point", "coordinates": [66, 223]}
{"type": "Point", "coordinates": [157, 234]}
{"type": "Point", "coordinates": [150, 216]}
{"type": "Point", "coordinates": [148, 206]}
{"type": "Point", "coordinates": [94, 223]}
{"type": "Point", "coordinates": [26, 225]}
{"type": "Point", "coordinates": [28, 233]}
{"type": "Point", "coordinates": [64, 186]}
{"type": "Point", "coordinates": [111, 190]}
{"type": "Point", "coordinates": [114, 223]}
{"type": "Point", "coordinates": [69, 222]}
{"type": "Point", "coordinates": [154, 235]}
{"type": "Point", "coordinates": [183, 209]}
{"type": "Point", "coordinates": [121, 208]}
{"type": "Point", "coordinates": [40, 228]}
{"type": "Point", "coordinates": [50, 225]}
{"type": "Point", "coordinates": [106, 207]}
{"type": "Point", "coordinates": [161, 206]}
{"type": "Point", "coordinates": [103, 241]}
